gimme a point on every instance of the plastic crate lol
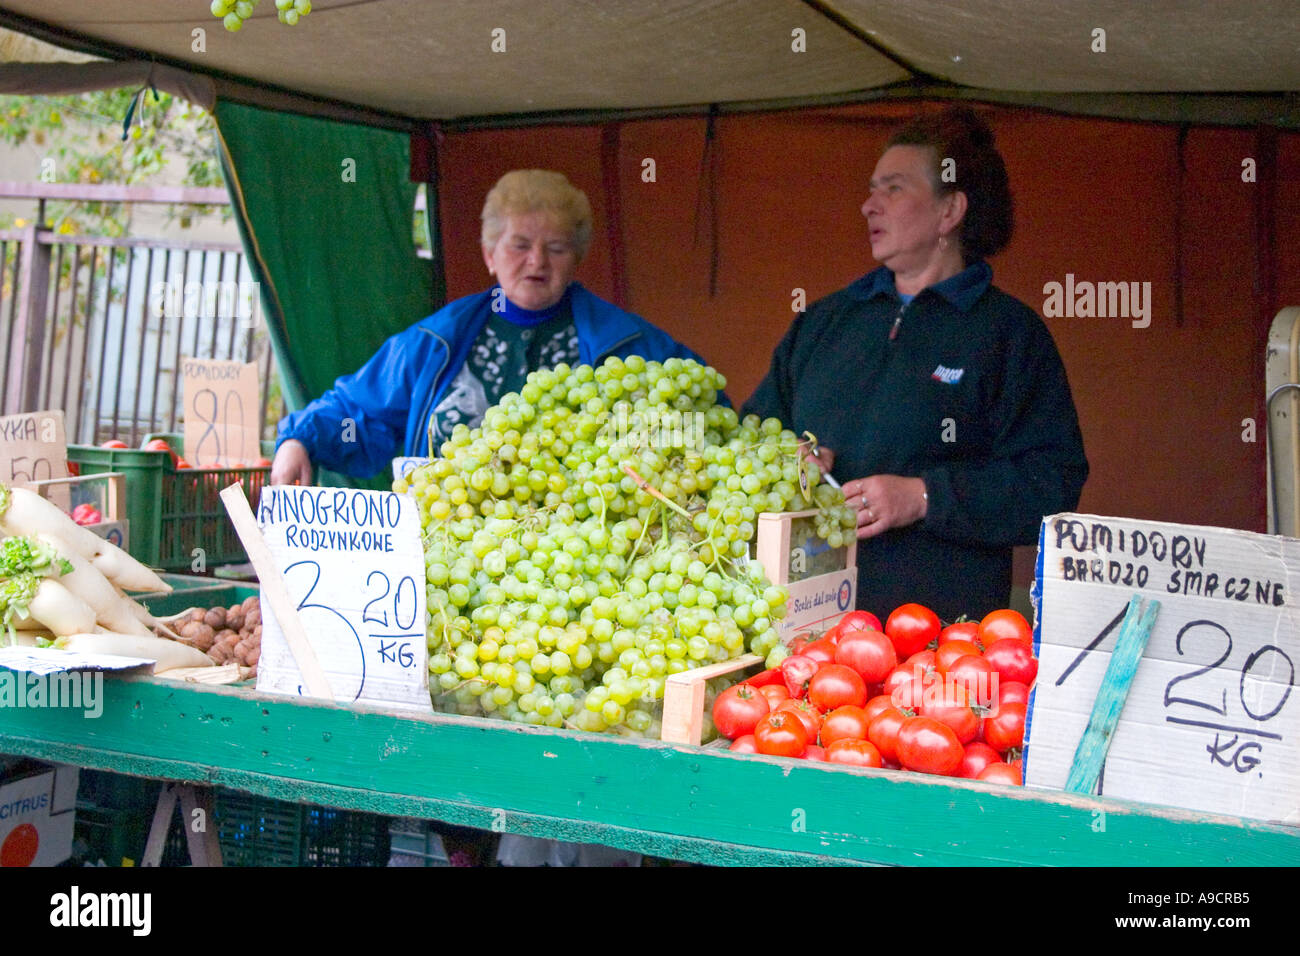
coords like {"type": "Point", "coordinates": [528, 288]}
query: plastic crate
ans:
{"type": "Point", "coordinates": [173, 511]}
{"type": "Point", "coordinates": [256, 831]}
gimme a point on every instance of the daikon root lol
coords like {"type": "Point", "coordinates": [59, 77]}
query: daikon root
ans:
{"type": "Point", "coordinates": [169, 655]}
{"type": "Point", "coordinates": [112, 609]}
{"type": "Point", "coordinates": [24, 512]}
{"type": "Point", "coordinates": [45, 600]}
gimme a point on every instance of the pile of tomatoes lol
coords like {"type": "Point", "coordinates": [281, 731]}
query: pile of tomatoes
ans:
{"type": "Point", "coordinates": [911, 695]}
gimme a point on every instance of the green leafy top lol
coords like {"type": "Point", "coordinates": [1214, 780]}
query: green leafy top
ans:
{"type": "Point", "coordinates": [15, 594]}
{"type": "Point", "coordinates": [21, 554]}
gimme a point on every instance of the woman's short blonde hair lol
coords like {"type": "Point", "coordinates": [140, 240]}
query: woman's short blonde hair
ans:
{"type": "Point", "coordinates": [522, 191]}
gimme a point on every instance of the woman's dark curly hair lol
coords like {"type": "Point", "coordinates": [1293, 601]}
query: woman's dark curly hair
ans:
{"type": "Point", "coordinates": [960, 135]}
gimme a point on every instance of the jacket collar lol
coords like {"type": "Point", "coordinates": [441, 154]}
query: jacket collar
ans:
{"type": "Point", "coordinates": [602, 326]}
{"type": "Point", "coordinates": [961, 291]}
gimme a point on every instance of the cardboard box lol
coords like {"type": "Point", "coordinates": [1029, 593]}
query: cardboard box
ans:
{"type": "Point", "coordinates": [37, 813]}
{"type": "Point", "coordinates": [1212, 720]}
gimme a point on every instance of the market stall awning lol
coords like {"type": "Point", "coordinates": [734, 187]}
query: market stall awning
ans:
{"type": "Point", "coordinates": [410, 59]}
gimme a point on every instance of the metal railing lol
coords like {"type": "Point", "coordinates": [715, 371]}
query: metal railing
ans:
{"type": "Point", "coordinates": [98, 326]}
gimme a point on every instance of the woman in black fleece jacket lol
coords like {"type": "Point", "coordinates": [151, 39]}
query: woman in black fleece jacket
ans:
{"type": "Point", "coordinates": [940, 402]}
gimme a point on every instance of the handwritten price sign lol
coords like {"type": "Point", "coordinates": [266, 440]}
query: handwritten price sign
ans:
{"type": "Point", "coordinates": [222, 409]}
{"type": "Point", "coordinates": [353, 563]}
{"type": "Point", "coordinates": [1212, 721]}
{"type": "Point", "coordinates": [33, 447]}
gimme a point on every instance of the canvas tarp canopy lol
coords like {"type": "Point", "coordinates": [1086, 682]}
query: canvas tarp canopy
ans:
{"type": "Point", "coordinates": [1128, 168]}
{"type": "Point", "coordinates": [402, 60]}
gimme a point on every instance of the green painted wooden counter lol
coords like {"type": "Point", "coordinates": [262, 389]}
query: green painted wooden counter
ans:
{"type": "Point", "coordinates": [657, 798]}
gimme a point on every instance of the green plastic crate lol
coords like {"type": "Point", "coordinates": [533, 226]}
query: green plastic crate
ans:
{"type": "Point", "coordinates": [173, 511]}
{"type": "Point", "coordinates": [189, 591]}
{"type": "Point", "coordinates": [257, 831]}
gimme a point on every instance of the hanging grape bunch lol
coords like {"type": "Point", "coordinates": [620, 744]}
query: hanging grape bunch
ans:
{"type": "Point", "coordinates": [233, 13]}
{"type": "Point", "coordinates": [592, 537]}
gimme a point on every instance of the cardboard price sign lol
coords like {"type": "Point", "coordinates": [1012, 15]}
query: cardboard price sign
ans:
{"type": "Point", "coordinates": [353, 563]}
{"type": "Point", "coordinates": [222, 411]}
{"type": "Point", "coordinates": [1211, 721]}
{"type": "Point", "coordinates": [33, 447]}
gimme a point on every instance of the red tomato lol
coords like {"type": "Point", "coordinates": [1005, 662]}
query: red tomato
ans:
{"type": "Point", "coordinates": [858, 621]}
{"type": "Point", "coordinates": [855, 753]}
{"type": "Point", "coordinates": [870, 653]}
{"type": "Point", "coordinates": [86, 514]}
{"type": "Point", "coordinates": [159, 445]}
{"type": "Point", "coordinates": [823, 651]}
{"type": "Point", "coordinates": [977, 756]}
{"type": "Point", "coordinates": [182, 463]}
{"type": "Point", "coordinates": [815, 753]}
{"type": "Point", "coordinates": [1001, 773]}
{"type": "Point", "coordinates": [1005, 729]}
{"type": "Point", "coordinates": [878, 705]}
{"type": "Point", "coordinates": [977, 676]}
{"type": "Point", "coordinates": [737, 710]}
{"type": "Point", "coordinates": [775, 693]}
{"type": "Point", "coordinates": [801, 640]}
{"type": "Point", "coordinates": [911, 627]}
{"type": "Point", "coordinates": [836, 685]}
{"type": "Point", "coordinates": [780, 735]}
{"type": "Point", "coordinates": [833, 634]}
{"type": "Point", "coordinates": [1013, 660]}
{"type": "Point", "coordinates": [744, 745]}
{"type": "Point", "coordinates": [950, 706]}
{"type": "Point", "coordinates": [926, 660]}
{"type": "Point", "coordinates": [927, 746]}
{"type": "Point", "coordinates": [262, 463]}
{"type": "Point", "coordinates": [770, 676]}
{"type": "Point", "coordinates": [1012, 692]}
{"type": "Point", "coordinates": [114, 443]}
{"type": "Point", "coordinates": [1005, 624]}
{"type": "Point", "coordinates": [947, 654]}
{"type": "Point", "coordinates": [883, 732]}
{"type": "Point", "coordinates": [798, 669]}
{"type": "Point", "coordinates": [905, 686]}
{"type": "Point", "coordinates": [844, 723]}
{"type": "Point", "coordinates": [961, 631]}
{"type": "Point", "coordinates": [808, 715]}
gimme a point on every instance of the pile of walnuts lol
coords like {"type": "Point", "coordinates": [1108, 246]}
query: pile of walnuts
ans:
{"type": "Point", "coordinates": [230, 635]}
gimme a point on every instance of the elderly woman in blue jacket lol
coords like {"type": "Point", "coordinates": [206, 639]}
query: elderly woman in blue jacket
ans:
{"type": "Point", "coordinates": [449, 368]}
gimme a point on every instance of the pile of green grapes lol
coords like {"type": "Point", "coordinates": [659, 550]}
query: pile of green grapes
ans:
{"type": "Point", "coordinates": [233, 13]}
{"type": "Point", "coordinates": [592, 537]}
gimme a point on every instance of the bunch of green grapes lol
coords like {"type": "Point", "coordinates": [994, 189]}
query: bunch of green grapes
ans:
{"type": "Point", "coordinates": [592, 537]}
{"type": "Point", "coordinates": [233, 13]}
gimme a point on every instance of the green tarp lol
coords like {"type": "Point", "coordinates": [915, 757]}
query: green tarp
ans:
{"type": "Point", "coordinates": [325, 210]}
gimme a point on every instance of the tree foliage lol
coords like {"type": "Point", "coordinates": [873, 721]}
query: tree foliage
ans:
{"type": "Point", "coordinates": [82, 135]}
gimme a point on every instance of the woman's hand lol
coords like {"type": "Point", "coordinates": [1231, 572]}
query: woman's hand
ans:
{"type": "Point", "coordinates": [886, 501]}
{"type": "Point", "coordinates": [292, 464]}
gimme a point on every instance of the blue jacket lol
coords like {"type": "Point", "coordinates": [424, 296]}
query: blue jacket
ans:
{"type": "Point", "coordinates": [390, 398]}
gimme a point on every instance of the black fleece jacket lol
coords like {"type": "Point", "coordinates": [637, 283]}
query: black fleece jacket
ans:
{"type": "Point", "coordinates": [970, 395]}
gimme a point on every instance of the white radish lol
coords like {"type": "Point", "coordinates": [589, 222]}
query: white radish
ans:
{"type": "Point", "coordinates": [125, 571]}
{"type": "Point", "coordinates": [112, 610]}
{"type": "Point", "coordinates": [59, 609]}
{"type": "Point", "coordinates": [169, 655]}
{"type": "Point", "coordinates": [25, 512]}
